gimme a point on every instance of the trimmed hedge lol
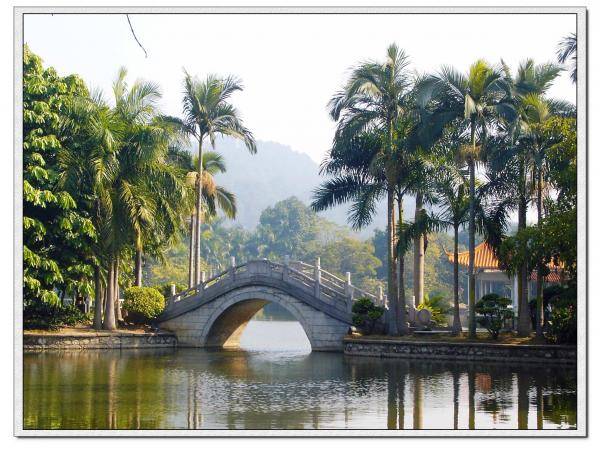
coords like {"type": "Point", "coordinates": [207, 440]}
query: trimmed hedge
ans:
{"type": "Point", "coordinates": [143, 303]}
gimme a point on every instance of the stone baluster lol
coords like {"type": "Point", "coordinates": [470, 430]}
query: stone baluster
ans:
{"type": "Point", "coordinates": [318, 277]}
{"type": "Point", "coordinates": [286, 267]}
{"type": "Point", "coordinates": [349, 290]}
{"type": "Point", "coordinates": [202, 282]}
{"type": "Point", "coordinates": [232, 267]}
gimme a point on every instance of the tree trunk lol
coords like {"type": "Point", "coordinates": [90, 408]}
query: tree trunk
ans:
{"type": "Point", "coordinates": [471, 381]}
{"type": "Point", "coordinates": [109, 304]}
{"type": "Point", "coordinates": [391, 249]}
{"type": "Point", "coordinates": [191, 252]}
{"type": "Point", "coordinates": [539, 316]}
{"type": "Point", "coordinates": [456, 325]}
{"type": "Point", "coordinates": [472, 324]}
{"type": "Point", "coordinates": [523, 321]}
{"type": "Point", "coordinates": [419, 255]}
{"type": "Point", "coordinates": [98, 301]}
{"type": "Point", "coordinates": [456, 393]}
{"type": "Point", "coordinates": [401, 311]}
{"type": "Point", "coordinates": [118, 315]}
{"type": "Point", "coordinates": [198, 224]}
{"type": "Point", "coordinates": [138, 267]}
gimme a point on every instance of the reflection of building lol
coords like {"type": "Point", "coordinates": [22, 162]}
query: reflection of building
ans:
{"type": "Point", "coordinates": [489, 278]}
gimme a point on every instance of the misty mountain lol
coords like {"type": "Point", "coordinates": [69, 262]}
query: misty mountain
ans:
{"type": "Point", "coordinates": [274, 173]}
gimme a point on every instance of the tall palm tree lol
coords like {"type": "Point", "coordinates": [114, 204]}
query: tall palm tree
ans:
{"type": "Point", "coordinates": [452, 188]}
{"type": "Point", "coordinates": [373, 99]}
{"type": "Point", "coordinates": [479, 98]}
{"type": "Point", "coordinates": [208, 114]}
{"type": "Point", "coordinates": [531, 81]}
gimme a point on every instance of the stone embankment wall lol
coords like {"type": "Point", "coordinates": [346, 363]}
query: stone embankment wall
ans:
{"type": "Point", "coordinates": [463, 351]}
{"type": "Point", "coordinates": [39, 341]}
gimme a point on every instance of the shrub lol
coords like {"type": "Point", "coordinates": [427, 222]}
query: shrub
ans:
{"type": "Point", "coordinates": [494, 311]}
{"type": "Point", "coordinates": [365, 315]}
{"type": "Point", "coordinates": [438, 306]}
{"type": "Point", "coordinates": [143, 303]}
{"type": "Point", "coordinates": [46, 316]}
{"type": "Point", "coordinates": [165, 288]}
{"type": "Point", "coordinates": [562, 320]}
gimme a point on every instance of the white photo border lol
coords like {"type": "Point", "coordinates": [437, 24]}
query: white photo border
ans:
{"type": "Point", "coordinates": [582, 203]}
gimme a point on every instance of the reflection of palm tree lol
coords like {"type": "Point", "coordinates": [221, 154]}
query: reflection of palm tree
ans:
{"type": "Point", "coordinates": [418, 403]}
{"type": "Point", "coordinates": [456, 390]}
{"type": "Point", "coordinates": [522, 400]}
{"type": "Point", "coordinates": [471, 377]}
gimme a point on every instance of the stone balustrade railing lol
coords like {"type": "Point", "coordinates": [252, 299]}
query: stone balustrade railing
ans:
{"type": "Point", "coordinates": [323, 285]}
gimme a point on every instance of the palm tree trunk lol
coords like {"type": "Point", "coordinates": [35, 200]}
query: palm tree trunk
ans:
{"type": "Point", "coordinates": [109, 304]}
{"type": "Point", "coordinates": [118, 315]}
{"type": "Point", "coordinates": [419, 255]}
{"type": "Point", "coordinates": [198, 224]}
{"type": "Point", "coordinates": [539, 316]}
{"type": "Point", "coordinates": [391, 249]}
{"type": "Point", "coordinates": [191, 253]}
{"type": "Point", "coordinates": [98, 303]}
{"type": "Point", "coordinates": [524, 321]}
{"type": "Point", "coordinates": [456, 325]}
{"type": "Point", "coordinates": [138, 267]}
{"type": "Point", "coordinates": [401, 311]}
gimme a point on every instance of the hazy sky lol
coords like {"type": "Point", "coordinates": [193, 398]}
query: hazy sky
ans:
{"type": "Point", "coordinates": [290, 64]}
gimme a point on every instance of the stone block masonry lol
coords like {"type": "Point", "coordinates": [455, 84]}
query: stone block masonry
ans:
{"type": "Point", "coordinates": [100, 340]}
{"type": "Point", "coordinates": [460, 351]}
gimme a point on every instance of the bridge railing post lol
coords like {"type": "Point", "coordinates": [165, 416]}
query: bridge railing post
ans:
{"type": "Point", "coordinates": [286, 267]}
{"type": "Point", "coordinates": [380, 295]}
{"type": "Point", "coordinates": [349, 290]}
{"type": "Point", "coordinates": [318, 277]}
{"type": "Point", "coordinates": [232, 267]}
{"type": "Point", "coordinates": [202, 282]}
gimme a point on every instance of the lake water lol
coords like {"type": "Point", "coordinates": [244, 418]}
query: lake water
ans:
{"type": "Point", "coordinates": [277, 383]}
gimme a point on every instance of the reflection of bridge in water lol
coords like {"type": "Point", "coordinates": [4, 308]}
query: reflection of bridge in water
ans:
{"type": "Point", "coordinates": [215, 312]}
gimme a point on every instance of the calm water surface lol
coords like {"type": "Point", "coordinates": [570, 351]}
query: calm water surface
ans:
{"type": "Point", "coordinates": [276, 383]}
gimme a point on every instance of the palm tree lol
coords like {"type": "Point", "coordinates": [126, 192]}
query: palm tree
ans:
{"type": "Point", "coordinates": [532, 81]}
{"type": "Point", "coordinates": [208, 114]}
{"type": "Point", "coordinates": [567, 51]}
{"type": "Point", "coordinates": [214, 196]}
{"type": "Point", "coordinates": [372, 100]}
{"type": "Point", "coordinates": [452, 188]}
{"type": "Point", "coordinates": [135, 196]}
{"type": "Point", "coordinates": [479, 98]}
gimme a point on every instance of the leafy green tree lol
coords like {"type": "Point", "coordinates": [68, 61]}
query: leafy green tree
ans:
{"type": "Point", "coordinates": [284, 229]}
{"type": "Point", "coordinates": [57, 234]}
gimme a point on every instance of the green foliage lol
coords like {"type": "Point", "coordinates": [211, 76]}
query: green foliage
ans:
{"type": "Point", "coordinates": [366, 315]}
{"type": "Point", "coordinates": [562, 322]}
{"type": "Point", "coordinates": [144, 301]}
{"type": "Point", "coordinates": [494, 311]}
{"type": "Point", "coordinates": [51, 316]}
{"type": "Point", "coordinates": [57, 233]}
{"type": "Point", "coordinates": [165, 288]}
{"type": "Point", "coordinates": [438, 305]}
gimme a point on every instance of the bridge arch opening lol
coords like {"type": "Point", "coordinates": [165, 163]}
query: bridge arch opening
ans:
{"type": "Point", "coordinates": [257, 324]}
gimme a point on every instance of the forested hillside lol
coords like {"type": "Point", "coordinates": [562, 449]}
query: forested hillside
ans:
{"type": "Point", "coordinates": [289, 227]}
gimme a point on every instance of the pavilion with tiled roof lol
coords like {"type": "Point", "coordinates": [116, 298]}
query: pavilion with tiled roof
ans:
{"type": "Point", "coordinates": [490, 278]}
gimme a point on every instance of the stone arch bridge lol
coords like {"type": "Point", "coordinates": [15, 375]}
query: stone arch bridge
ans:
{"type": "Point", "coordinates": [215, 313]}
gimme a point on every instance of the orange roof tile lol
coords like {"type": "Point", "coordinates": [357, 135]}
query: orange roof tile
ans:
{"type": "Point", "coordinates": [485, 259]}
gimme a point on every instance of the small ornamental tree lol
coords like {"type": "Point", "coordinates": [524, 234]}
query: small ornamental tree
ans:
{"type": "Point", "coordinates": [365, 314]}
{"type": "Point", "coordinates": [493, 310]}
{"type": "Point", "coordinates": [143, 303]}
